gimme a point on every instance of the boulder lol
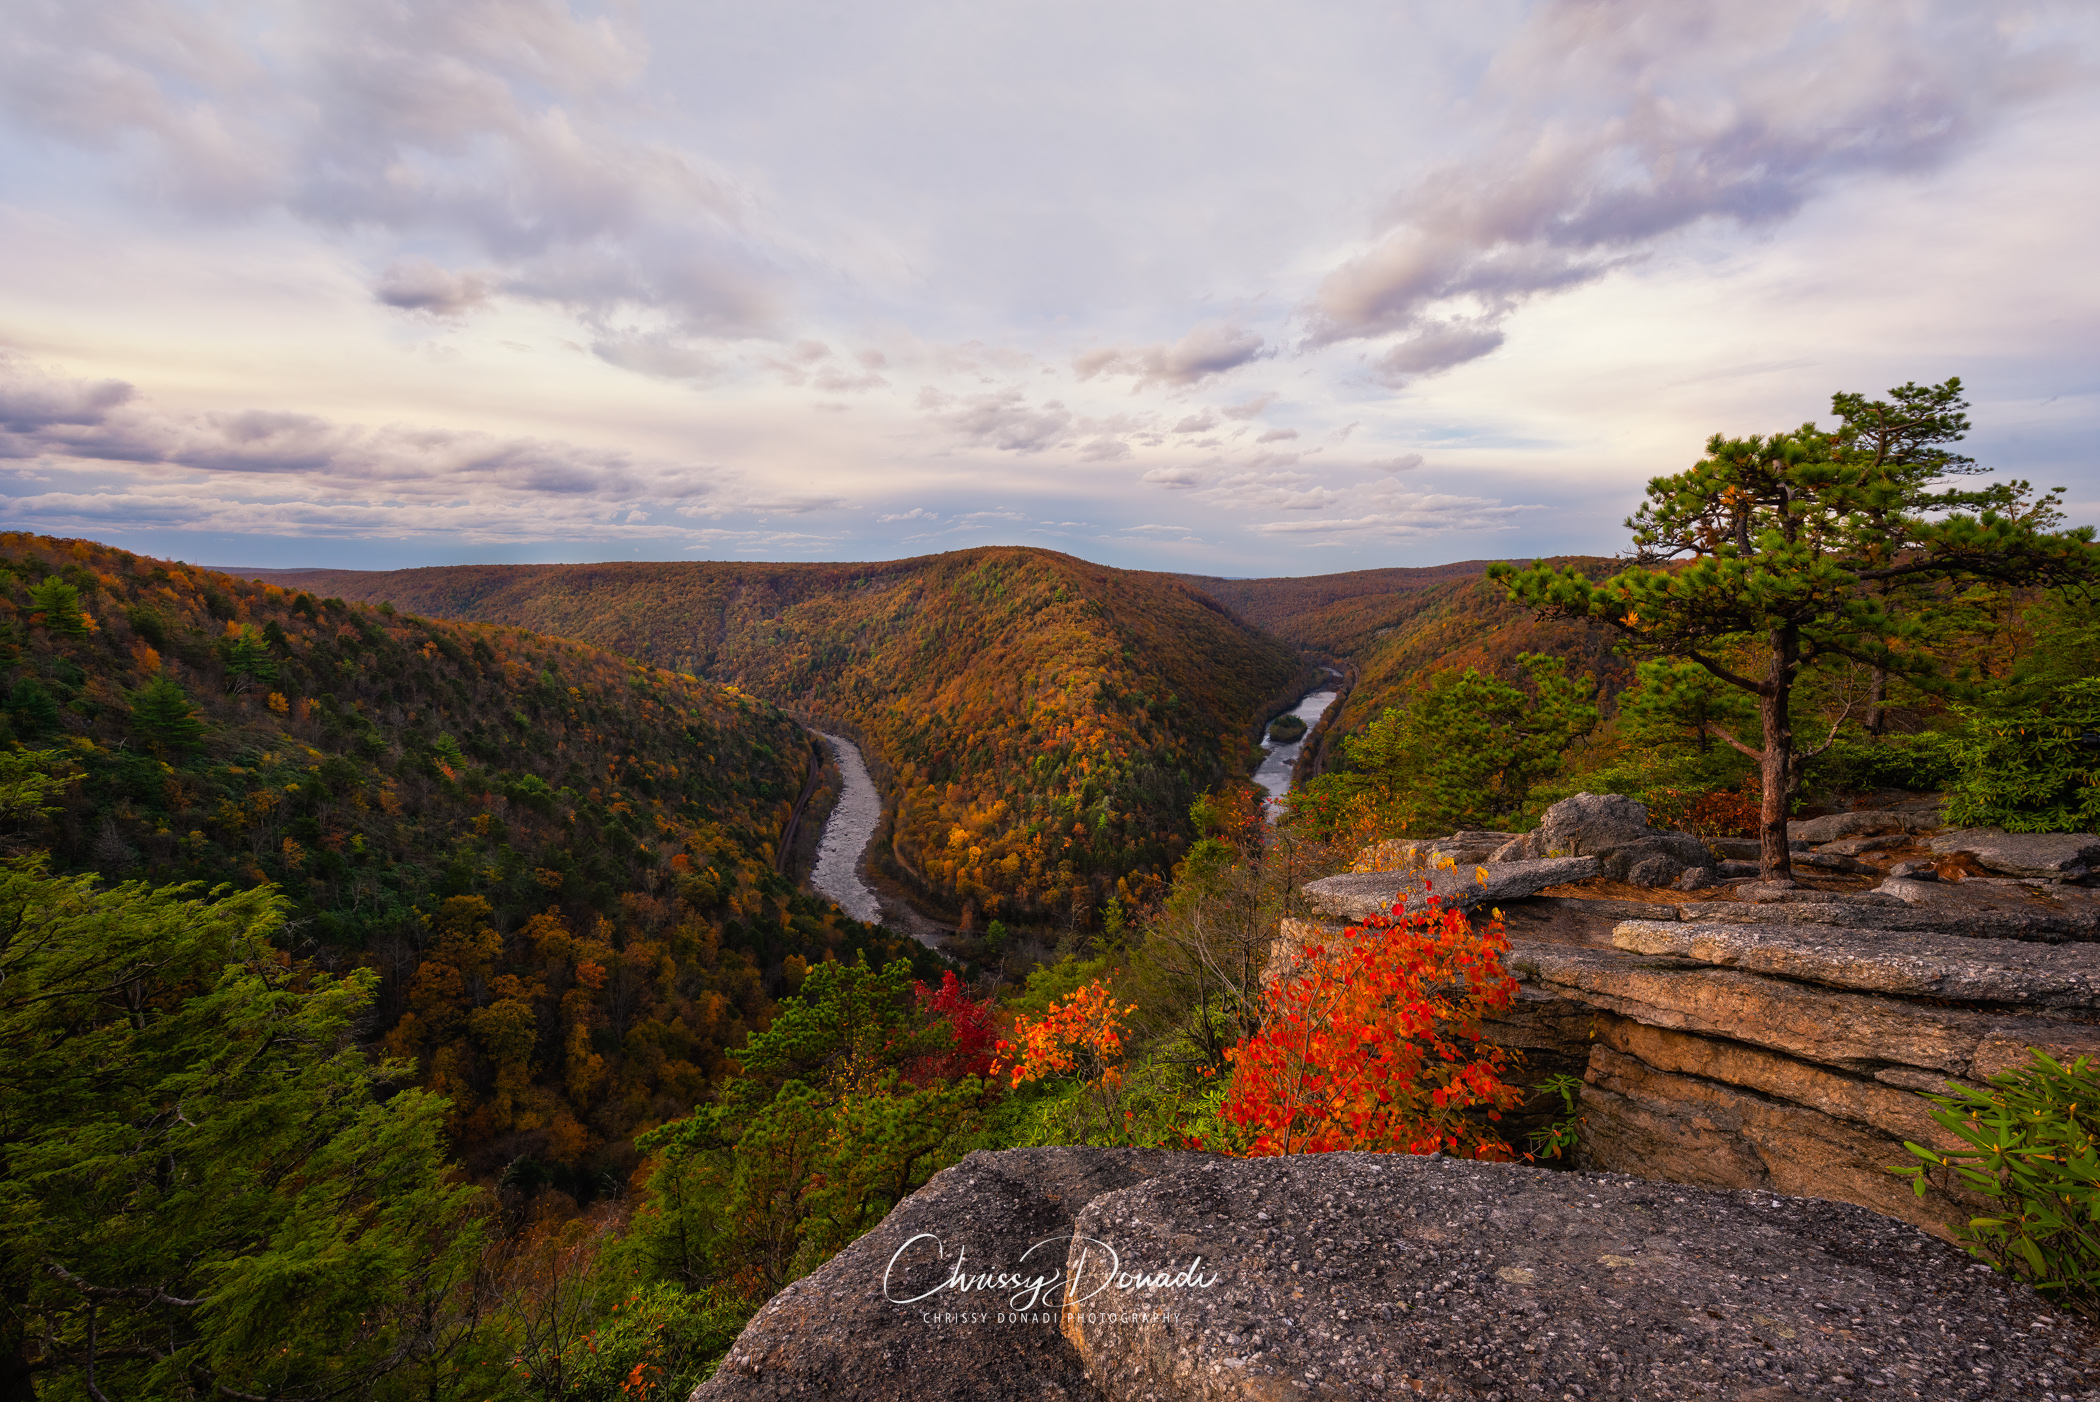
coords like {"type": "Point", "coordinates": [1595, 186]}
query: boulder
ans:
{"type": "Point", "coordinates": [1832, 826]}
{"type": "Point", "coordinates": [1856, 846]}
{"type": "Point", "coordinates": [1355, 895]}
{"type": "Point", "coordinates": [837, 1334]}
{"type": "Point", "coordinates": [2049, 856]}
{"type": "Point", "coordinates": [1699, 878]}
{"type": "Point", "coordinates": [1336, 1276]}
{"type": "Point", "coordinates": [1586, 825]}
{"type": "Point", "coordinates": [1614, 829]}
{"type": "Point", "coordinates": [1909, 963]}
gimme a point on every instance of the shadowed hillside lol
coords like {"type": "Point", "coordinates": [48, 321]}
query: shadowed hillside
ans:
{"type": "Point", "coordinates": [1040, 724]}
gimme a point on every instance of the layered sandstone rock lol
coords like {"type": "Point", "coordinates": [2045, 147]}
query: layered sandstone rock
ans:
{"type": "Point", "coordinates": [1781, 1044]}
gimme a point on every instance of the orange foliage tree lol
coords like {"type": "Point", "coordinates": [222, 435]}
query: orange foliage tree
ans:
{"type": "Point", "coordinates": [1080, 1038]}
{"type": "Point", "coordinates": [1375, 1043]}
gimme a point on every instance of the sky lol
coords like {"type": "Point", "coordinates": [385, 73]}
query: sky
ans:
{"type": "Point", "coordinates": [1226, 288]}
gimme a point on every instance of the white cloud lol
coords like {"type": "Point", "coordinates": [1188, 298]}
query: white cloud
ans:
{"type": "Point", "coordinates": [1207, 351]}
{"type": "Point", "coordinates": [1631, 121]}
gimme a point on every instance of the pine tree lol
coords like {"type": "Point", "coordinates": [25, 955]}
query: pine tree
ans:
{"type": "Point", "coordinates": [201, 1191]}
{"type": "Point", "coordinates": [55, 605]}
{"type": "Point", "coordinates": [33, 709]}
{"type": "Point", "coordinates": [163, 716]}
{"type": "Point", "coordinates": [1808, 551]}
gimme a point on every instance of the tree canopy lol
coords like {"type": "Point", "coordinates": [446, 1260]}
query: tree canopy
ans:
{"type": "Point", "coordinates": [1778, 555]}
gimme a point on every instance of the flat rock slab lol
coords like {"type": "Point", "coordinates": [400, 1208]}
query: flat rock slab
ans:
{"type": "Point", "coordinates": [1910, 963]}
{"type": "Point", "coordinates": [837, 1334]}
{"type": "Point", "coordinates": [2041, 854]}
{"type": "Point", "coordinates": [1355, 895]}
{"type": "Point", "coordinates": [1372, 1275]}
{"type": "Point", "coordinates": [1945, 907]}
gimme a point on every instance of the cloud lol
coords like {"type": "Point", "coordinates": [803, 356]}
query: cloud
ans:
{"type": "Point", "coordinates": [1630, 120]}
{"type": "Point", "coordinates": [917, 513]}
{"type": "Point", "coordinates": [1197, 423]}
{"type": "Point", "coordinates": [1176, 478]}
{"type": "Point", "coordinates": [1277, 435]}
{"type": "Point", "coordinates": [172, 462]}
{"type": "Point", "coordinates": [1406, 517]}
{"type": "Point", "coordinates": [1208, 350]}
{"type": "Point", "coordinates": [1248, 408]}
{"type": "Point", "coordinates": [494, 126]}
{"type": "Point", "coordinates": [419, 285]}
{"type": "Point", "coordinates": [1003, 419]}
{"type": "Point", "coordinates": [664, 354]}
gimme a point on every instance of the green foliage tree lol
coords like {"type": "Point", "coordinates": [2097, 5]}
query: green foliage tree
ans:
{"type": "Point", "coordinates": [1809, 552]}
{"type": "Point", "coordinates": [201, 1190]}
{"type": "Point", "coordinates": [163, 716]}
{"type": "Point", "coordinates": [825, 1130]}
{"type": "Point", "coordinates": [1905, 437]}
{"type": "Point", "coordinates": [55, 604]}
{"type": "Point", "coordinates": [2030, 1145]}
{"type": "Point", "coordinates": [2032, 767]}
{"type": "Point", "coordinates": [33, 709]}
{"type": "Point", "coordinates": [248, 660]}
{"type": "Point", "coordinates": [1467, 750]}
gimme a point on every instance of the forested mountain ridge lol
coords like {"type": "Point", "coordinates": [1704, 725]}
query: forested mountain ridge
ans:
{"type": "Point", "coordinates": [1336, 615]}
{"type": "Point", "coordinates": [1400, 627]}
{"type": "Point", "coordinates": [1044, 722]}
{"type": "Point", "coordinates": [558, 859]}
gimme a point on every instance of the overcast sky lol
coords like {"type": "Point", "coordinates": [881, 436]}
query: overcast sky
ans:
{"type": "Point", "coordinates": [1241, 289]}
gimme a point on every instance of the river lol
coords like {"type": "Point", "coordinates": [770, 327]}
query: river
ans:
{"type": "Point", "coordinates": [1274, 774]}
{"type": "Point", "coordinates": [852, 824]}
{"type": "Point", "coordinates": [847, 833]}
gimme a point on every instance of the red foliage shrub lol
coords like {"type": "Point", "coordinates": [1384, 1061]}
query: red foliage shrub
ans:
{"type": "Point", "coordinates": [1374, 1043]}
{"type": "Point", "coordinates": [970, 1025]}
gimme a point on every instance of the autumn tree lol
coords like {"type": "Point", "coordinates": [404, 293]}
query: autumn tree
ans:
{"type": "Point", "coordinates": [1801, 551]}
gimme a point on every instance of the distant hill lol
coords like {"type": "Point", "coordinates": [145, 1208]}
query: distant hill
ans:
{"type": "Point", "coordinates": [559, 859]}
{"type": "Point", "coordinates": [1336, 615]}
{"type": "Point", "coordinates": [1398, 627]}
{"type": "Point", "coordinates": [1040, 724]}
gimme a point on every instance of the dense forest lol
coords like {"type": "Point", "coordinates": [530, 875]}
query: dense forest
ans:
{"type": "Point", "coordinates": [1041, 724]}
{"type": "Point", "coordinates": [559, 861]}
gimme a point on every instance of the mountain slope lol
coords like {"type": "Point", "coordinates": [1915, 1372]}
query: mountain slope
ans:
{"type": "Point", "coordinates": [1337, 615]}
{"type": "Point", "coordinates": [1039, 724]}
{"type": "Point", "coordinates": [1399, 627]}
{"type": "Point", "coordinates": [559, 860]}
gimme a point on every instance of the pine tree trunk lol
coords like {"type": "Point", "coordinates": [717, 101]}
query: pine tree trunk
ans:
{"type": "Point", "coordinates": [1776, 766]}
{"type": "Point", "coordinates": [1877, 701]}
